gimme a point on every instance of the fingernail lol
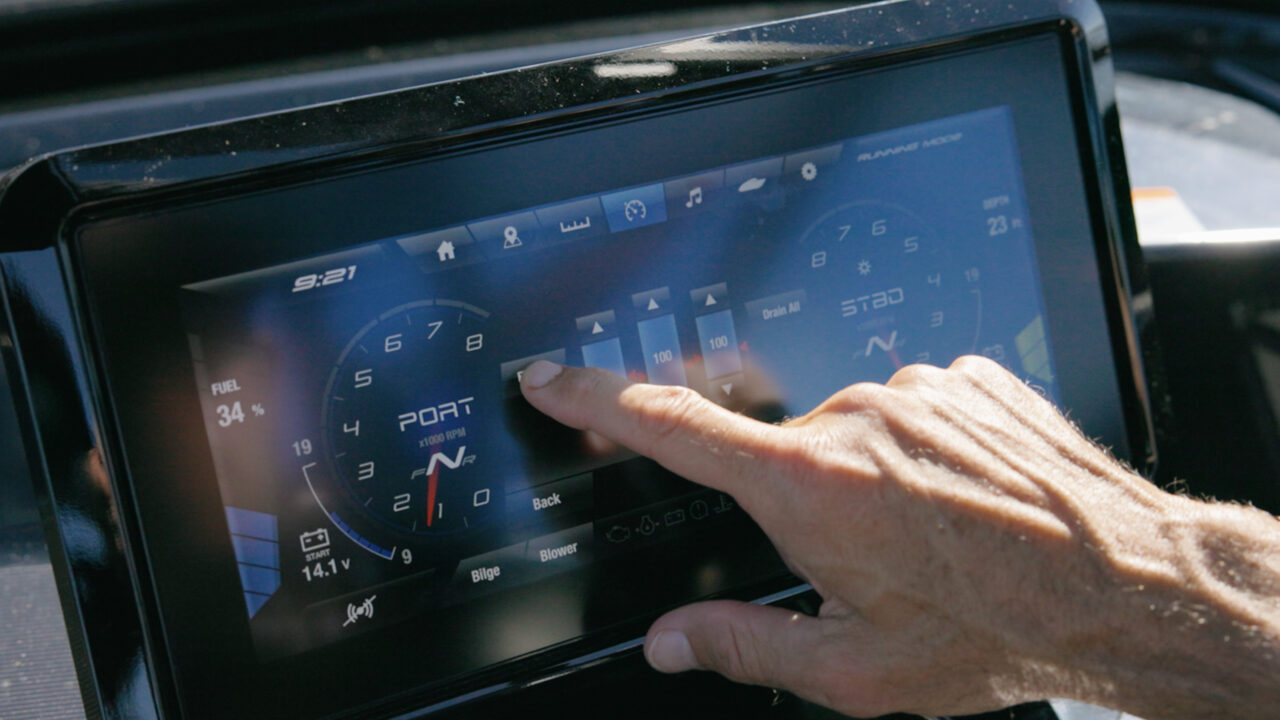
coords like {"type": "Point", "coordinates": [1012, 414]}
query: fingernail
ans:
{"type": "Point", "coordinates": [670, 652]}
{"type": "Point", "coordinates": [540, 373]}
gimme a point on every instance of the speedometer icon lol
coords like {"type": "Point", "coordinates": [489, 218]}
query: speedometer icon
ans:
{"type": "Point", "coordinates": [634, 210]}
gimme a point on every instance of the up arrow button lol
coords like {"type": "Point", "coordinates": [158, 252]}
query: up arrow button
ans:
{"type": "Point", "coordinates": [650, 302]}
{"type": "Point", "coordinates": [591, 327]}
{"type": "Point", "coordinates": [709, 297]}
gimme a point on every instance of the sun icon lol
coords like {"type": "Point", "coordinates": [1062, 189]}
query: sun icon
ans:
{"type": "Point", "coordinates": [864, 267]}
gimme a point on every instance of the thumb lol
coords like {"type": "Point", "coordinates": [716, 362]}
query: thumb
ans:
{"type": "Point", "coordinates": [744, 642]}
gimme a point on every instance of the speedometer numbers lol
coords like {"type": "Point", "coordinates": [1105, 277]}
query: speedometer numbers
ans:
{"type": "Point", "coordinates": [903, 295]}
{"type": "Point", "coordinates": [402, 414]}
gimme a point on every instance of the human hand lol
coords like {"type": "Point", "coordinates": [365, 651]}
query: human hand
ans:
{"type": "Point", "coordinates": [972, 549]}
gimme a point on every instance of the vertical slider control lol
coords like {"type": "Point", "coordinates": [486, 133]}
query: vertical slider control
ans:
{"type": "Point", "coordinates": [719, 344]}
{"type": "Point", "coordinates": [606, 354]}
{"type": "Point", "coordinates": [600, 345]}
{"type": "Point", "coordinates": [659, 340]}
{"type": "Point", "coordinates": [718, 339]}
{"type": "Point", "coordinates": [661, 345]}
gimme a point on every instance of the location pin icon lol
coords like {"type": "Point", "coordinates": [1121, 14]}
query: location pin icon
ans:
{"type": "Point", "coordinates": [511, 238]}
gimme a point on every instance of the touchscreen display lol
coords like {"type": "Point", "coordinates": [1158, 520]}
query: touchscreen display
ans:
{"type": "Point", "coordinates": [376, 461]}
{"type": "Point", "coordinates": [340, 494]}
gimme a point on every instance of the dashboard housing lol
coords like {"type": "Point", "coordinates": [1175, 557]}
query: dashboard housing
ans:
{"type": "Point", "coordinates": [73, 433]}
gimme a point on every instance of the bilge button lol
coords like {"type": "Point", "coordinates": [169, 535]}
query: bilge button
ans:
{"type": "Point", "coordinates": [495, 570]}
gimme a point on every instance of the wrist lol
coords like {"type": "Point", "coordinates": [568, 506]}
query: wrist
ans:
{"type": "Point", "coordinates": [1187, 617]}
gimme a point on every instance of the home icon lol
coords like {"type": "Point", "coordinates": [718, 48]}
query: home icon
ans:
{"type": "Point", "coordinates": [445, 251]}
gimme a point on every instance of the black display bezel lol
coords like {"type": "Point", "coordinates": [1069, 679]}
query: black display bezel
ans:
{"type": "Point", "coordinates": [1122, 341]}
{"type": "Point", "coordinates": [231, 660]}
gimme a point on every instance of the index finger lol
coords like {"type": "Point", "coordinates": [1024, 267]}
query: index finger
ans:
{"type": "Point", "coordinates": [686, 433]}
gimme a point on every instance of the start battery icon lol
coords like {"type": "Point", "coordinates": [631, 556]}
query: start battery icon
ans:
{"type": "Point", "coordinates": [313, 540]}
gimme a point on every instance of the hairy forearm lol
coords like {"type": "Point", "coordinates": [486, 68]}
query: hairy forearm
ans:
{"type": "Point", "coordinates": [1194, 615]}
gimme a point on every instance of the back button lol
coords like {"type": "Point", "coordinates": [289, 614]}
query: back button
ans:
{"type": "Point", "coordinates": [562, 497]}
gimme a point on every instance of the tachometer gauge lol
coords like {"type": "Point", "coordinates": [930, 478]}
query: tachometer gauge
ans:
{"type": "Point", "coordinates": [402, 417]}
{"type": "Point", "coordinates": [904, 296]}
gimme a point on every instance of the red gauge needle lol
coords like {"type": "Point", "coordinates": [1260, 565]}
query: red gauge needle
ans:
{"type": "Point", "coordinates": [893, 355]}
{"type": "Point", "coordinates": [431, 492]}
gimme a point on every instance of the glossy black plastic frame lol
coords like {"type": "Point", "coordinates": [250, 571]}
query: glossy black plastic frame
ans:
{"type": "Point", "coordinates": [68, 431]}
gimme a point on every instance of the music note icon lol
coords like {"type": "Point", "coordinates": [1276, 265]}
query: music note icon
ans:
{"type": "Point", "coordinates": [695, 197]}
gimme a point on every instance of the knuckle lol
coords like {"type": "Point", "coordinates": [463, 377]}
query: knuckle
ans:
{"type": "Point", "coordinates": [664, 411]}
{"type": "Point", "coordinates": [917, 374]}
{"type": "Point", "coordinates": [579, 390]}
{"type": "Point", "coordinates": [976, 366]}
{"type": "Point", "coordinates": [582, 385]}
{"type": "Point", "coordinates": [880, 406]}
{"type": "Point", "coordinates": [988, 376]}
{"type": "Point", "coordinates": [862, 396]}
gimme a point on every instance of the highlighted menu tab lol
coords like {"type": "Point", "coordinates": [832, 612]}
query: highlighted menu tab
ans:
{"type": "Point", "coordinates": [635, 208]}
